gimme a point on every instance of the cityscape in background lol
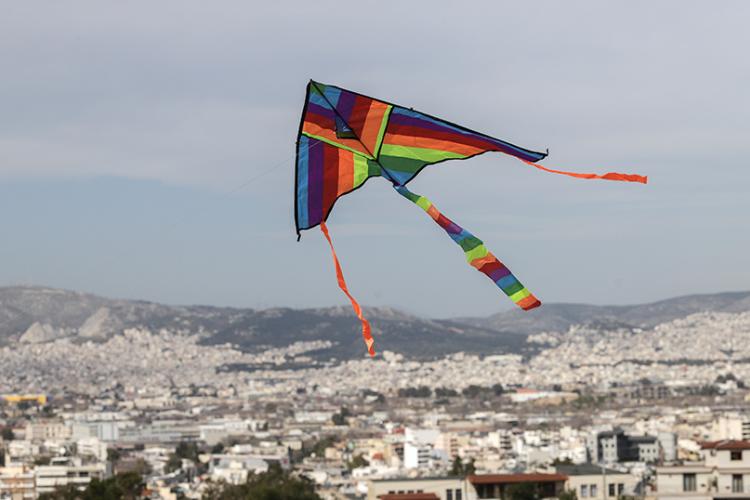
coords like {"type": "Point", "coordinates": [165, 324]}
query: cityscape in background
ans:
{"type": "Point", "coordinates": [588, 407]}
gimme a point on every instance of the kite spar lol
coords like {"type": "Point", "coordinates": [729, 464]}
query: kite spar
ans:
{"type": "Point", "coordinates": [346, 138]}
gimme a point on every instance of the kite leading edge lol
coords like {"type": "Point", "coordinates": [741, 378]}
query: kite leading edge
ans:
{"type": "Point", "coordinates": [346, 138]}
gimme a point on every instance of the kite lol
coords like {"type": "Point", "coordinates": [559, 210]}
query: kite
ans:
{"type": "Point", "coordinates": [346, 138]}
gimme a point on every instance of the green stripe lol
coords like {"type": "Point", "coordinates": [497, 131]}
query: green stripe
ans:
{"type": "Point", "coordinates": [520, 295]}
{"type": "Point", "coordinates": [338, 145]}
{"type": "Point", "coordinates": [423, 203]}
{"type": "Point", "coordinates": [381, 132]}
{"type": "Point", "coordinates": [470, 243]}
{"type": "Point", "coordinates": [476, 253]}
{"type": "Point", "coordinates": [361, 170]}
{"type": "Point", "coordinates": [400, 164]}
{"type": "Point", "coordinates": [513, 288]}
{"type": "Point", "coordinates": [424, 154]}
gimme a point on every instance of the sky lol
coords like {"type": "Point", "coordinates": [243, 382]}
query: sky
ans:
{"type": "Point", "coordinates": [147, 149]}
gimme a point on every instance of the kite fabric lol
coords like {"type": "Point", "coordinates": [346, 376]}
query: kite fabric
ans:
{"type": "Point", "coordinates": [345, 138]}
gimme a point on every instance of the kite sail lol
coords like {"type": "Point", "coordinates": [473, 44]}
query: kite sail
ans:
{"type": "Point", "coordinates": [346, 138]}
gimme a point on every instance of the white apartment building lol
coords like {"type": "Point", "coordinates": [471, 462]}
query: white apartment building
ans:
{"type": "Point", "coordinates": [17, 482]}
{"type": "Point", "coordinates": [47, 430]}
{"type": "Point", "coordinates": [724, 472]}
{"type": "Point", "coordinates": [63, 473]}
{"type": "Point", "coordinates": [592, 482]}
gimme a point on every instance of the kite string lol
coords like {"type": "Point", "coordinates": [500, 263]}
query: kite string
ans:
{"type": "Point", "coordinates": [366, 330]}
{"type": "Point", "coordinates": [236, 189]}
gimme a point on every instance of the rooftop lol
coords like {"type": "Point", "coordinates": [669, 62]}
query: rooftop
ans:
{"type": "Point", "coordinates": [725, 445]}
{"type": "Point", "coordinates": [516, 478]}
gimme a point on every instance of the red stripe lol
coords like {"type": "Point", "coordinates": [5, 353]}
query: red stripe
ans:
{"type": "Point", "coordinates": [330, 178]}
{"type": "Point", "coordinates": [409, 130]}
{"type": "Point", "coordinates": [358, 117]}
{"type": "Point", "coordinates": [320, 120]}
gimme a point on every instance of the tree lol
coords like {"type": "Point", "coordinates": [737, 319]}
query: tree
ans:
{"type": "Point", "coordinates": [340, 418]}
{"type": "Point", "coordinates": [457, 468]}
{"type": "Point", "coordinates": [126, 486]}
{"type": "Point", "coordinates": [276, 484]}
{"type": "Point", "coordinates": [568, 495]}
{"type": "Point", "coordinates": [523, 491]}
{"type": "Point", "coordinates": [461, 469]}
{"type": "Point", "coordinates": [7, 434]}
{"type": "Point", "coordinates": [357, 462]}
{"type": "Point", "coordinates": [217, 448]}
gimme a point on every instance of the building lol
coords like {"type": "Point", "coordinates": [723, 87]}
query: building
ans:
{"type": "Point", "coordinates": [47, 430]}
{"type": "Point", "coordinates": [66, 472]}
{"type": "Point", "coordinates": [444, 488]}
{"type": "Point", "coordinates": [616, 446]}
{"type": "Point", "coordinates": [17, 483]}
{"type": "Point", "coordinates": [499, 486]}
{"type": "Point", "coordinates": [474, 487]}
{"type": "Point", "coordinates": [723, 472]}
{"type": "Point", "coordinates": [591, 481]}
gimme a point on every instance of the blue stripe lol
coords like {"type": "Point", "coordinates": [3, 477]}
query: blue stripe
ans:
{"type": "Point", "coordinates": [302, 162]}
{"type": "Point", "coordinates": [506, 281]}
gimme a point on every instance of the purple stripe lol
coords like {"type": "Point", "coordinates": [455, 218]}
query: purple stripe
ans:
{"type": "Point", "coordinates": [315, 183]}
{"type": "Point", "coordinates": [400, 119]}
{"type": "Point", "coordinates": [320, 110]}
{"type": "Point", "coordinates": [429, 124]}
{"type": "Point", "coordinates": [500, 273]}
{"type": "Point", "coordinates": [345, 106]}
{"type": "Point", "coordinates": [453, 228]}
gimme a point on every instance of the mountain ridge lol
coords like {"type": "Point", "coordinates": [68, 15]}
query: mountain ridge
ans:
{"type": "Point", "coordinates": [41, 314]}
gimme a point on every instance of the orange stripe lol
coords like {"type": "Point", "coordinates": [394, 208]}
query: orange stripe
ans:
{"type": "Point", "coordinates": [315, 129]}
{"type": "Point", "coordinates": [371, 128]}
{"type": "Point", "coordinates": [529, 302]}
{"type": "Point", "coordinates": [429, 143]}
{"type": "Point", "coordinates": [346, 172]}
{"type": "Point", "coordinates": [610, 176]}
{"type": "Point", "coordinates": [478, 263]}
{"type": "Point", "coordinates": [433, 212]}
{"type": "Point", "coordinates": [366, 330]}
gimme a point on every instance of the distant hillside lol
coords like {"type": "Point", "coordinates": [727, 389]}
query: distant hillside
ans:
{"type": "Point", "coordinates": [559, 317]}
{"type": "Point", "coordinates": [37, 314]}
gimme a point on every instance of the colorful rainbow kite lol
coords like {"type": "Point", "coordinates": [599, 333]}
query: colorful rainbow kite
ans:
{"type": "Point", "coordinates": [345, 138]}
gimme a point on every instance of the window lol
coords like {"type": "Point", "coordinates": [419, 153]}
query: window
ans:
{"type": "Point", "coordinates": [737, 486]}
{"type": "Point", "coordinates": [611, 489]}
{"type": "Point", "coordinates": [593, 490]}
{"type": "Point", "coordinates": [688, 482]}
{"type": "Point", "coordinates": [584, 490]}
{"type": "Point", "coordinates": [448, 494]}
{"type": "Point", "coordinates": [735, 455]}
{"type": "Point", "coordinates": [458, 494]}
{"type": "Point", "coordinates": [620, 489]}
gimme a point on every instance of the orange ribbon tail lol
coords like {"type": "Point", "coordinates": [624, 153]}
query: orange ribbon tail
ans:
{"type": "Point", "coordinates": [366, 330]}
{"type": "Point", "coordinates": [611, 176]}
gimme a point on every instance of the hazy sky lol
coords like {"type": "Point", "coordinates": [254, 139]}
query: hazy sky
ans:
{"type": "Point", "coordinates": [129, 132]}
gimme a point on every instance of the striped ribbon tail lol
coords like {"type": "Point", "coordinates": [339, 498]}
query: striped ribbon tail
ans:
{"type": "Point", "coordinates": [477, 254]}
{"type": "Point", "coordinates": [366, 330]}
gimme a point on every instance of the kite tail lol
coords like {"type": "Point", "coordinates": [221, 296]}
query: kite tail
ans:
{"type": "Point", "coordinates": [611, 176]}
{"type": "Point", "coordinates": [366, 330]}
{"type": "Point", "coordinates": [477, 254]}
